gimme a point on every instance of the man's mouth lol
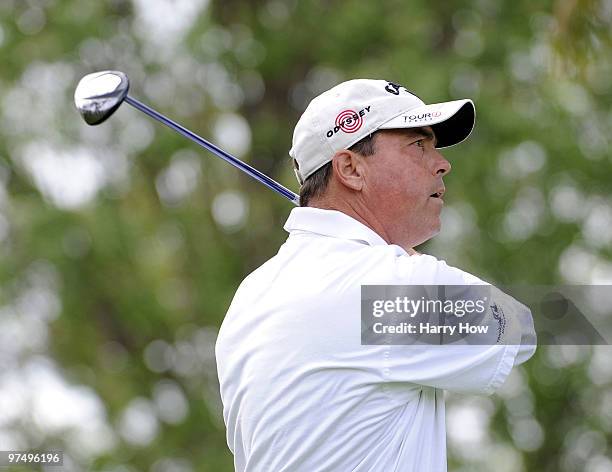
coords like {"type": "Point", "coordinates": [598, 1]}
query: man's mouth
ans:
{"type": "Point", "coordinates": [438, 194]}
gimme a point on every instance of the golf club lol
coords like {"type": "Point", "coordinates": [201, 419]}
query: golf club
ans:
{"type": "Point", "coordinates": [99, 94]}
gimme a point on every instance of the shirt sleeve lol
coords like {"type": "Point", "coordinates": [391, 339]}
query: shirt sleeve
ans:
{"type": "Point", "coordinates": [462, 367]}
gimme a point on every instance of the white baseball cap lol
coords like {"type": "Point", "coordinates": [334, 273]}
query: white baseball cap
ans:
{"type": "Point", "coordinates": [352, 110]}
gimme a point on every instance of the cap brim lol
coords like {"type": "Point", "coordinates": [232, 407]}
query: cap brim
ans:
{"type": "Point", "coordinates": [452, 122]}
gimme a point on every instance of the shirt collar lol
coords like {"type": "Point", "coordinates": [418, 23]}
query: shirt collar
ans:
{"type": "Point", "coordinates": [331, 223]}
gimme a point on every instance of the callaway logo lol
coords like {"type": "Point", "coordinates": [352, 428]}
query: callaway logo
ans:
{"type": "Point", "coordinates": [348, 121]}
{"type": "Point", "coordinates": [394, 88]}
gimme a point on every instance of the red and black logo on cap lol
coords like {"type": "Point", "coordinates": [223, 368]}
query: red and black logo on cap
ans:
{"type": "Point", "coordinates": [348, 121]}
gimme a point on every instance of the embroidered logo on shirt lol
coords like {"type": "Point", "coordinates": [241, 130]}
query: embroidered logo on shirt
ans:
{"type": "Point", "coordinates": [499, 315]}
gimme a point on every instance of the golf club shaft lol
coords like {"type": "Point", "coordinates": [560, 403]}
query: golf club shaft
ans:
{"type": "Point", "coordinates": [257, 175]}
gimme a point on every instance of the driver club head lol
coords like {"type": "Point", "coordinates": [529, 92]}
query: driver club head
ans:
{"type": "Point", "coordinates": [98, 95]}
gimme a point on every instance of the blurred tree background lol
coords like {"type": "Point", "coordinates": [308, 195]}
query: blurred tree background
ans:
{"type": "Point", "coordinates": [122, 245]}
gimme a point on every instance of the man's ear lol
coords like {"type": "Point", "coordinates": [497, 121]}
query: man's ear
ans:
{"type": "Point", "coordinates": [348, 169]}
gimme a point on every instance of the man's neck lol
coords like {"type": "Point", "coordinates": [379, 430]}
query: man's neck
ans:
{"type": "Point", "coordinates": [356, 210]}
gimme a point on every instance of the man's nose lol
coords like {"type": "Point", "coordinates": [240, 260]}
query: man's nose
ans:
{"type": "Point", "coordinates": [442, 166]}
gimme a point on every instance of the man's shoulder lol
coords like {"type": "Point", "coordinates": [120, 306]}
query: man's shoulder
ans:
{"type": "Point", "coordinates": [428, 270]}
{"type": "Point", "coordinates": [310, 257]}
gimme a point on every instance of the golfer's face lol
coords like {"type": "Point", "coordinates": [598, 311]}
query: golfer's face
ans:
{"type": "Point", "coordinates": [401, 179]}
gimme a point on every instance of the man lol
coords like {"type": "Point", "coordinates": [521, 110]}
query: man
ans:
{"type": "Point", "coordinates": [300, 390]}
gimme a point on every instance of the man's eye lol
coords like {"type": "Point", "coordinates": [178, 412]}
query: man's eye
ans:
{"type": "Point", "coordinates": [420, 143]}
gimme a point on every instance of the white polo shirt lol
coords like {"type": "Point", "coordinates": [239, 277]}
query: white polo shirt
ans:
{"type": "Point", "coordinates": [300, 392]}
